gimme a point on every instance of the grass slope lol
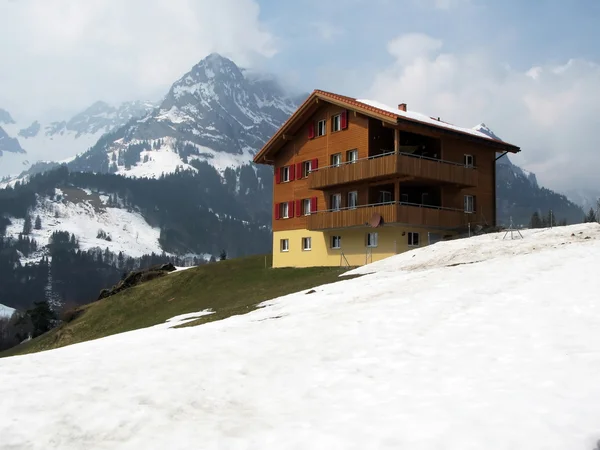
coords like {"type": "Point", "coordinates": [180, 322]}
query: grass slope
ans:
{"type": "Point", "coordinates": [229, 287]}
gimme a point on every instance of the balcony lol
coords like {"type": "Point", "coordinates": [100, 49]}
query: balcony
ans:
{"type": "Point", "coordinates": [394, 212]}
{"type": "Point", "coordinates": [394, 164]}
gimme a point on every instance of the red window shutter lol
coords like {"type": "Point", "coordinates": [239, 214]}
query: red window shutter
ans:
{"type": "Point", "coordinates": [314, 165]}
{"type": "Point", "coordinates": [298, 208]}
{"type": "Point", "coordinates": [313, 204]}
{"type": "Point", "coordinates": [291, 209]}
{"type": "Point", "coordinates": [276, 211]}
{"type": "Point", "coordinates": [291, 171]}
{"type": "Point", "coordinates": [311, 130]}
{"type": "Point", "coordinates": [344, 120]}
{"type": "Point", "coordinates": [277, 175]}
{"type": "Point", "coordinates": [298, 170]}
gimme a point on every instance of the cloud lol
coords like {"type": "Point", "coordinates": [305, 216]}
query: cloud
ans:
{"type": "Point", "coordinates": [551, 110]}
{"type": "Point", "coordinates": [327, 31]}
{"type": "Point", "coordinates": [72, 53]}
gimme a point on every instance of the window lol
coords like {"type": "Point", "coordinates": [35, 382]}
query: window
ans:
{"type": "Point", "coordinates": [306, 206]}
{"type": "Point", "coordinates": [352, 156]}
{"type": "Point", "coordinates": [336, 122]}
{"type": "Point", "coordinates": [469, 161]}
{"type": "Point", "coordinates": [336, 242]}
{"type": "Point", "coordinates": [385, 197]}
{"type": "Point", "coordinates": [336, 160]}
{"type": "Point", "coordinates": [352, 199]}
{"type": "Point", "coordinates": [284, 245]}
{"type": "Point", "coordinates": [306, 243]}
{"type": "Point", "coordinates": [285, 173]}
{"type": "Point", "coordinates": [284, 210]}
{"type": "Point", "coordinates": [371, 239]}
{"type": "Point", "coordinates": [469, 203]}
{"type": "Point", "coordinates": [306, 168]}
{"type": "Point", "coordinates": [413, 239]}
{"type": "Point", "coordinates": [321, 127]}
{"type": "Point", "coordinates": [336, 202]}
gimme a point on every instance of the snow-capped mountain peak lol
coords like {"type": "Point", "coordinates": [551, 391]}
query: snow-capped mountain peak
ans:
{"type": "Point", "coordinates": [483, 128]}
{"type": "Point", "coordinates": [216, 112]}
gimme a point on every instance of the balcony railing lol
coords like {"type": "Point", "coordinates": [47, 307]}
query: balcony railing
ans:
{"type": "Point", "coordinates": [389, 164]}
{"type": "Point", "coordinates": [391, 212]}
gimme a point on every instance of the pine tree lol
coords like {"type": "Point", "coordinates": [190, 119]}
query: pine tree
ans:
{"type": "Point", "coordinates": [27, 225]}
{"type": "Point", "coordinates": [536, 221]}
{"type": "Point", "coordinates": [38, 223]}
{"type": "Point", "coordinates": [591, 216]}
{"type": "Point", "coordinates": [223, 255]}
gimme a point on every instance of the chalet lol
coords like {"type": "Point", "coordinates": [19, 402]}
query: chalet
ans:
{"type": "Point", "coordinates": [356, 181]}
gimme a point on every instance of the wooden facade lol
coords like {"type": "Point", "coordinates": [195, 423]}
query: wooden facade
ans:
{"type": "Point", "coordinates": [394, 213]}
{"type": "Point", "coordinates": [391, 165]}
{"type": "Point", "coordinates": [333, 146]}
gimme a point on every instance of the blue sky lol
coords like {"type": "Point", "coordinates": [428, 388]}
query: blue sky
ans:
{"type": "Point", "coordinates": [519, 33]}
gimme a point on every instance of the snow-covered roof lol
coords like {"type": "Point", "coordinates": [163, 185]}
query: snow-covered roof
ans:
{"type": "Point", "coordinates": [375, 109]}
{"type": "Point", "coordinates": [412, 115]}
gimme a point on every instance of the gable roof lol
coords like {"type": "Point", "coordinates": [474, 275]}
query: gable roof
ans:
{"type": "Point", "coordinates": [375, 110]}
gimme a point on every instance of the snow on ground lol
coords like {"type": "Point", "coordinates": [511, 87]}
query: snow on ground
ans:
{"type": "Point", "coordinates": [129, 231]}
{"type": "Point", "coordinates": [5, 311]}
{"type": "Point", "coordinates": [421, 354]}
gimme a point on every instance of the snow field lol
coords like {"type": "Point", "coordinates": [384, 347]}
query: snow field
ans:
{"type": "Point", "coordinates": [498, 354]}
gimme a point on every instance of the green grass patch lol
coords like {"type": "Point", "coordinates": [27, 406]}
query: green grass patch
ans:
{"type": "Point", "coordinates": [228, 288]}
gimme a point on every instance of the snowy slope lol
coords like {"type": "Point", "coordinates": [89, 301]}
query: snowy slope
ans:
{"type": "Point", "coordinates": [5, 311]}
{"type": "Point", "coordinates": [217, 112]}
{"type": "Point", "coordinates": [84, 214]}
{"type": "Point", "coordinates": [422, 354]}
{"type": "Point", "coordinates": [60, 140]}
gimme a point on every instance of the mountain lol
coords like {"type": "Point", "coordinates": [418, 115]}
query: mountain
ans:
{"type": "Point", "coordinates": [586, 198]}
{"type": "Point", "coordinates": [5, 311]}
{"type": "Point", "coordinates": [217, 112]}
{"type": "Point", "coordinates": [9, 144]}
{"type": "Point", "coordinates": [60, 140]}
{"type": "Point", "coordinates": [518, 194]}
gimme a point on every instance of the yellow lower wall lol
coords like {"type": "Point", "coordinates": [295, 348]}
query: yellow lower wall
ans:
{"type": "Point", "coordinates": [390, 241]}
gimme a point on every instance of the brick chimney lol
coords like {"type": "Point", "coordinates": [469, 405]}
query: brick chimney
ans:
{"type": "Point", "coordinates": [402, 107]}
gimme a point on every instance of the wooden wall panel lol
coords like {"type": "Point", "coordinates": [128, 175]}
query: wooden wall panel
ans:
{"type": "Point", "coordinates": [300, 149]}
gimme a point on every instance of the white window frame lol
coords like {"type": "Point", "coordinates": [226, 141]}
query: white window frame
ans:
{"type": "Point", "coordinates": [306, 168]}
{"type": "Point", "coordinates": [306, 207]}
{"type": "Point", "coordinates": [285, 174]}
{"type": "Point", "coordinates": [469, 204]}
{"type": "Point", "coordinates": [339, 202]}
{"type": "Point", "coordinates": [284, 245]}
{"type": "Point", "coordinates": [355, 195]}
{"type": "Point", "coordinates": [336, 122]}
{"type": "Point", "coordinates": [411, 239]}
{"type": "Point", "coordinates": [306, 244]}
{"type": "Point", "coordinates": [372, 239]}
{"type": "Point", "coordinates": [382, 196]}
{"type": "Point", "coordinates": [337, 156]}
{"type": "Point", "coordinates": [333, 242]}
{"type": "Point", "coordinates": [354, 157]}
{"type": "Point", "coordinates": [469, 161]}
{"type": "Point", "coordinates": [321, 127]}
{"type": "Point", "coordinates": [284, 210]}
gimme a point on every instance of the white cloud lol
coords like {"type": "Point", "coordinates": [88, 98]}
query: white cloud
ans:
{"type": "Point", "coordinates": [326, 30]}
{"type": "Point", "coordinates": [551, 111]}
{"type": "Point", "coordinates": [69, 53]}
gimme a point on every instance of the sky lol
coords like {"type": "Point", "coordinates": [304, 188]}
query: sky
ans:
{"type": "Point", "coordinates": [528, 70]}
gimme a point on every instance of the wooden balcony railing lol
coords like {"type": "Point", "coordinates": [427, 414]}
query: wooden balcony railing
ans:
{"type": "Point", "coordinates": [395, 212]}
{"type": "Point", "coordinates": [362, 169]}
{"type": "Point", "coordinates": [390, 164]}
